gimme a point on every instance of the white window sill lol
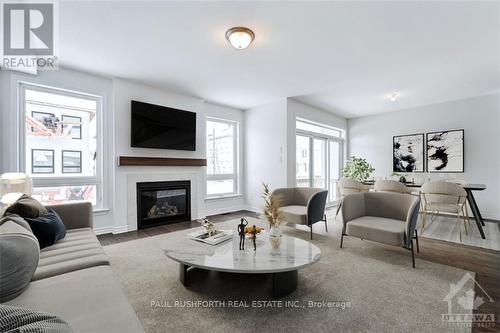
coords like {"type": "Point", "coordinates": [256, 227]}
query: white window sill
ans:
{"type": "Point", "coordinates": [227, 196]}
{"type": "Point", "coordinates": [101, 211]}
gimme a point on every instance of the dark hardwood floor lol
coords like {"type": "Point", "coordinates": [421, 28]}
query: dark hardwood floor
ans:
{"type": "Point", "coordinates": [485, 263]}
{"type": "Point", "coordinates": [108, 239]}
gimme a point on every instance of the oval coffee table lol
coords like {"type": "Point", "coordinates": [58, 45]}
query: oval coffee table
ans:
{"type": "Point", "coordinates": [284, 263]}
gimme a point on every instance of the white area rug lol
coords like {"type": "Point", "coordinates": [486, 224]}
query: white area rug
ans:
{"type": "Point", "coordinates": [383, 291]}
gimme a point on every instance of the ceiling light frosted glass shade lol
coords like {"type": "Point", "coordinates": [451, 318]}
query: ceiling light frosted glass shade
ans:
{"type": "Point", "coordinates": [240, 37]}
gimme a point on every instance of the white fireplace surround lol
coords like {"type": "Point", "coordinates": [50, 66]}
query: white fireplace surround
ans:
{"type": "Point", "coordinates": [133, 179]}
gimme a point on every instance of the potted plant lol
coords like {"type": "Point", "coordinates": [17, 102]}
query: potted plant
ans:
{"type": "Point", "coordinates": [273, 215]}
{"type": "Point", "coordinates": [358, 169]}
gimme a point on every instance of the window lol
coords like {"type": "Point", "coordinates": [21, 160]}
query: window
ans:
{"type": "Point", "coordinates": [43, 161]}
{"type": "Point", "coordinates": [319, 156]}
{"type": "Point", "coordinates": [309, 126]}
{"type": "Point", "coordinates": [60, 139]}
{"type": "Point", "coordinates": [222, 143]}
{"type": "Point", "coordinates": [72, 126]}
{"type": "Point", "coordinates": [71, 161]}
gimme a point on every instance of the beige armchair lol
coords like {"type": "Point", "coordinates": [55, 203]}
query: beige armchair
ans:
{"type": "Point", "coordinates": [348, 186]}
{"type": "Point", "coordinates": [383, 217]}
{"type": "Point", "coordinates": [302, 205]}
{"type": "Point", "coordinates": [444, 196]}
{"type": "Point", "coordinates": [387, 185]}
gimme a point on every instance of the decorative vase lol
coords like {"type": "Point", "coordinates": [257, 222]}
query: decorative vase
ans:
{"type": "Point", "coordinates": [275, 237]}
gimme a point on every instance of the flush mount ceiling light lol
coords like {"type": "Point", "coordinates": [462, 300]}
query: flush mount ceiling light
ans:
{"type": "Point", "coordinates": [240, 37]}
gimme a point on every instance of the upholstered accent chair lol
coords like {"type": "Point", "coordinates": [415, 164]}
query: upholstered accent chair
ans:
{"type": "Point", "coordinates": [348, 186]}
{"type": "Point", "coordinates": [444, 196]}
{"type": "Point", "coordinates": [383, 217]}
{"type": "Point", "coordinates": [388, 185]}
{"type": "Point", "coordinates": [302, 205]}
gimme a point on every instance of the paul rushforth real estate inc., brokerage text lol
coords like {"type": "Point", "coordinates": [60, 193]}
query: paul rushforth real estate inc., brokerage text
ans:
{"type": "Point", "coordinates": [249, 304]}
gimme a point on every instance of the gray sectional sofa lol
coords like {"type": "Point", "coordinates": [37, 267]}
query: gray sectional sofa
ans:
{"type": "Point", "coordinates": [74, 280]}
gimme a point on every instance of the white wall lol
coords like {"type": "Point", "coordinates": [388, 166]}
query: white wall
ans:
{"type": "Point", "coordinates": [265, 150]}
{"type": "Point", "coordinates": [124, 92]}
{"type": "Point", "coordinates": [118, 214]}
{"type": "Point", "coordinates": [296, 110]}
{"type": "Point", "coordinates": [237, 202]}
{"type": "Point", "coordinates": [371, 138]}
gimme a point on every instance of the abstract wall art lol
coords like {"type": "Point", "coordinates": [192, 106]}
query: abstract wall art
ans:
{"type": "Point", "coordinates": [445, 151]}
{"type": "Point", "coordinates": [408, 153]}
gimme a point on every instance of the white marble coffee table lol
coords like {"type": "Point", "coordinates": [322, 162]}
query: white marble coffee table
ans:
{"type": "Point", "coordinates": [293, 254]}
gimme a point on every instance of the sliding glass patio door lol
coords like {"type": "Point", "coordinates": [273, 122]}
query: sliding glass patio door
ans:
{"type": "Point", "coordinates": [319, 162]}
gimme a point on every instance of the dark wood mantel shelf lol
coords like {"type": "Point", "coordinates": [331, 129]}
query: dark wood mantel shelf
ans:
{"type": "Point", "coordinates": [160, 161]}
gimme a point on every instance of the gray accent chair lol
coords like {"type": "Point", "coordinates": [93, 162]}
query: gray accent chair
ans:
{"type": "Point", "coordinates": [383, 217]}
{"type": "Point", "coordinates": [302, 205]}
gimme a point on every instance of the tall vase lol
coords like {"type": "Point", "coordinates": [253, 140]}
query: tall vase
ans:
{"type": "Point", "coordinates": [275, 237]}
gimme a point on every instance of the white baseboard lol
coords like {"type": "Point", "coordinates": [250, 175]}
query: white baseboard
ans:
{"type": "Point", "coordinates": [111, 230]}
{"type": "Point", "coordinates": [224, 210]}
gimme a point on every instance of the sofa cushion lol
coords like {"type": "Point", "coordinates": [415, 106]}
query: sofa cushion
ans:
{"type": "Point", "coordinates": [48, 228]}
{"type": "Point", "coordinates": [89, 300]}
{"type": "Point", "coordinates": [294, 214]}
{"type": "Point", "coordinates": [378, 229]}
{"type": "Point", "coordinates": [19, 255]}
{"type": "Point", "coordinates": [80, 249]}
{"type": "Point", "coordinates": [14, 319]}
{"type": "Point", "coordinates": [26, 206]}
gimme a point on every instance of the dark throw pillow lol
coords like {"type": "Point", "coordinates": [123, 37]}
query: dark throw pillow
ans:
{"type": "Point", "coordinates": [26, 206]}
{"type": "Point", "coordinates": [48, 228]}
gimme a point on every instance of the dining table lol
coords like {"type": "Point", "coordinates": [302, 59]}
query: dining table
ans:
{"type": "Point", "coordinates": [469, 188]}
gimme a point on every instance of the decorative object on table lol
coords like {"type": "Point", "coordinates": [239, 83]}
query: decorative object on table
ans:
{"type": "Point", "coordinates": [357, 168]}
{"type": "Point", "coordinates": [249, 230]}
{"type": "Point", "coordinates": [216, 238]}
{"type": "Point", "coordinates": [208, 226]}
{"type": "Point", "coordinates": [445, 151]}
{"type": "Point", "coordinates": [13, 185]}
{"type": "Point", "coordinates": [273, 215]}
{"type": "Point", "coordinates": [241, 232]}
{"type": "Point", "coordinates": [254, 234]}
{"type": "Point", "coordinates": [408, 153]}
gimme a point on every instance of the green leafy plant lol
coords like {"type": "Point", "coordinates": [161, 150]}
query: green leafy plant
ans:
{"type": "Point", "coordinates": [357, 168]}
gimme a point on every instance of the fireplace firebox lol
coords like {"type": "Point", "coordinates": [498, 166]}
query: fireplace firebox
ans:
{"type": "Point", "coordinates": [163, 203]}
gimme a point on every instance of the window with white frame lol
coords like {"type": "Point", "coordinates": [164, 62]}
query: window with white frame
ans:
{"type": "Point", "coordinates": [60, 141]}
{"type": "Point", "coordinates": [222, 152]}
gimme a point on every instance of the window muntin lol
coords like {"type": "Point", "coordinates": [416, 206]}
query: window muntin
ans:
{"type": "Point", "coordinates": [221, 136]}
{"type": "Point", "coordinates": [65, 123]}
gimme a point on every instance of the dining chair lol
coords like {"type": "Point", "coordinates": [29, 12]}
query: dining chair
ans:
{"type": "Point", "coordinates": [443, 196]}
{"type": "Point", "coordinates": [388, 185]}
{"type": "Point", "coordinates": [348, 186]}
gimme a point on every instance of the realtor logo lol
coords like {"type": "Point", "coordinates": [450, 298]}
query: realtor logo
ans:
{"type": "Point", "coordinates": [28, 29]}
{"type": "Point", "coordinates": [462, 300]}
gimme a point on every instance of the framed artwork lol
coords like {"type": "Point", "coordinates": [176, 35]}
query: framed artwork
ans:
{"type": "Point", "coordinates": [408, 153]}
{"type": "Point", "coordinates": [71, 161]}
{"type": "Point", "coordinates": [445, 151]}
{"type": "Point", "coordinates": [42, 161]}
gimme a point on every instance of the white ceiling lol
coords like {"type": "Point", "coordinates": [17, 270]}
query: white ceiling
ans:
{"type": "Point", "coordinates": [343, 57]}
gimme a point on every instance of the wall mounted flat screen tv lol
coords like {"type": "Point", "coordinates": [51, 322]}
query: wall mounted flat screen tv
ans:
{"type": "Point", "coordinates": [155, 126]}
